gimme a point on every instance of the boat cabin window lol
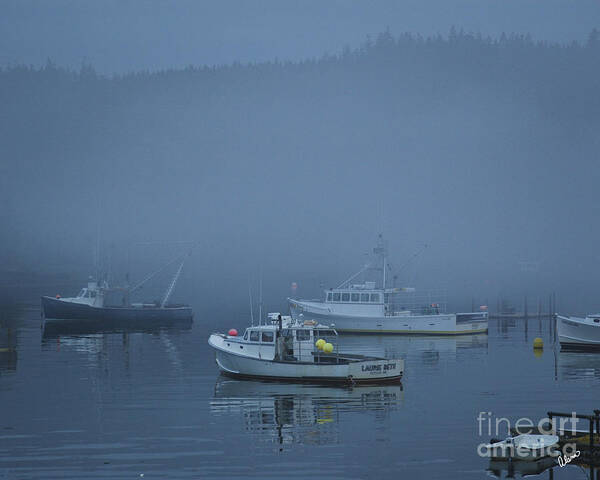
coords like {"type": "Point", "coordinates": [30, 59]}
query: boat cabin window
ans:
{"type": "Point", "coordinates": [325, 333]}
{"type": "Point", "coordinates": [355, 297]}
{"type": "Point", "coordinates": [374, 297]}
{"type": "Point", "coordinates": [93, 294]}
{"type": "Point", "coordinates": [329, 296]}
{"type": "Point", "coordinates": [364, 297]}
{"type": "Point", "coordinates": [267, 337]}
{"type": "Point", "coordinates": [246, 335]}
{"type": "Point", "coordinates": [253, 336]}
{"type": "Point", "coordinates": [345, 297]}
{"type": "Point", "coordinates": [336, 297]}
{"type": "Point", "coordinates": [302, 335]}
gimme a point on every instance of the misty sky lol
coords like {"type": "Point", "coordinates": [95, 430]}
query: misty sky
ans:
{"type": "Point", "coordinates": [485, 150]}
{"type": "Point", "coordinates": [125, 35]}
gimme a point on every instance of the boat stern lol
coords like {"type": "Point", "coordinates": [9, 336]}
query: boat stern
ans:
{"type": "Point", "coordinates": [376, 370]}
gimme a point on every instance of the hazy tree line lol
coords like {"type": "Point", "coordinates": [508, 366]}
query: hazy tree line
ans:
{"type": "Point", "coordinates": [442, 139]}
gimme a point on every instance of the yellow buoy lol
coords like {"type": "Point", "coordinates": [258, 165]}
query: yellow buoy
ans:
{"type": "Point", "coordinates": [328, 348]}
{"type": "Point", "coordinates": [538, 343]}
{"type": "Point", "coordinates": [320, 343]}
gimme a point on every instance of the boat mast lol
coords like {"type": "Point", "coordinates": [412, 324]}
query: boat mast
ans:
{"type": "Point", "coordinates": [380, 250]}
{"type": "Point", "coordinates": [260, 298]}
{"type": "Point", "coordinates": [384, 269]}
{"type": "Point", "coordinates": [251, 305]}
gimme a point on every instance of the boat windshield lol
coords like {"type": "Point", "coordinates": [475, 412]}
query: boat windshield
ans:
{"type": "Point", "coordinates": [82, 293]}
{"type": "Point", "coordinates": [325, 333]}
{"type": "Point", "coordinates": [352, 297]}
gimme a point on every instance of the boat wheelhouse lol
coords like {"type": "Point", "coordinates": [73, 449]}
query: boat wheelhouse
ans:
{"type": "Point", "coordinates": [285, 349]}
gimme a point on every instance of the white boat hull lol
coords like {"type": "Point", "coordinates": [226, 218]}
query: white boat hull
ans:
{"type": "Point", "coordinates": [364, 371]}
{"type": "Point", "coordinates": [575, 332]}
{"type": "Point", "coordinates": [524, 447]}
{"type": "Point", "coordinates": [440, 324]}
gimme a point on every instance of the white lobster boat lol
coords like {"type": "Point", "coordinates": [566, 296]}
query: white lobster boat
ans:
{"type": "Point", "coordinates": [578, 333]}
{"type": "Point", "coordinates": [284, 349]}
{"type": "Point", "coordinates": [523, 447]}
{"type": "Point", "coordinates": [364, 308]}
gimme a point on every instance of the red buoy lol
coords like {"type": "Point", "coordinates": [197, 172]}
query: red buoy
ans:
{"type": "Point", "coordinates": [232, 332]}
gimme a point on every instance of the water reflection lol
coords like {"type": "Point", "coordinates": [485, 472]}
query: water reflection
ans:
{"type": "Point", "coordinates": [55, 328]}
{"type": "Point", "coordinates": [425, 349]}
{"type": "Point", "coordinates": [105, 348]}
{"type": "Point", "coordinates": [529, 327]}
{"type": "Point", "coordinates": [10, 320]}
{"type": "Point", "coordinates": [579, 365]}
{"type": "Point", "coordinates": [516, 468]}
{"type": "Point", "coordinates": [8, 359]}
{"type": "Point", "coordinates": [286, 413]}
{"type": "Point", "coordinates": [543, 468]}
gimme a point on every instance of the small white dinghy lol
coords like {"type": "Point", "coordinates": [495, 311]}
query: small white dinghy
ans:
{"type": "Point", "coordinates": [523, 447]}
{"type": "Point", "coordinates": [284, 349]}
{"type": "Point", "coordinates": [578, 333]}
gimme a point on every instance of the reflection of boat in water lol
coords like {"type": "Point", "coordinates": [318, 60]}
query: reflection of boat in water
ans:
{"type": "Point", "coordinates": [285, 349]}
{"type": "Point", "coordinates": [578, 333]}
{"type": "Point", "coordinates": [112, 325]}
{"type": "Point", "coordinates": [8, 349]}
{"type": "Point", "coordinates": [427, 348]}
{"type": "Point", "coordinates": [524, 468]}
{"type": "Point", "coordinates": [364, 308]}
{"type": "Point", "coordinates": [578, 365]}
{"type": "Point", "coordinates": [296, 413]}
{"type": "Point", "coordinates": [8, 340]}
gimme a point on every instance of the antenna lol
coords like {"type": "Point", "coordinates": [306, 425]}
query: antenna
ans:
{"type": "Point", "coordinates": [260, 302]}
{"type": "Point", "coordinates": [251, 306]}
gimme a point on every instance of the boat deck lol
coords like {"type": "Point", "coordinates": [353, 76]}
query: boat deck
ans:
{"type": "Point", "coordinates": [321, 358]}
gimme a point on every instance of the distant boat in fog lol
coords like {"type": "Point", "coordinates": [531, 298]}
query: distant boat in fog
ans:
{"type": "Point", "coordinates": [365, 308]}
{"type": "Point", "coordinates": [90, 303]}
{"type": "Point", "coordinates": [578, 333]}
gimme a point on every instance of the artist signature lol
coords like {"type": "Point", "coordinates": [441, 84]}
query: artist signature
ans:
{"type": "Point", "coordinates": [562, 461]}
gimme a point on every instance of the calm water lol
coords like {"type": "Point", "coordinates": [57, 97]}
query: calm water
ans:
{"type": "Point", "coordinates": [122, 405]}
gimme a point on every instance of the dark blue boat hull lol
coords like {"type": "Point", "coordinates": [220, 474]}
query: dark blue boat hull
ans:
{"type": "Point", "coordinates": [55, 309]}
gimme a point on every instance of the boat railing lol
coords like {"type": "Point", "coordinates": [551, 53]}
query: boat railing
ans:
{"type": "Point", "coordinates": [320, 354]}
{"type": "Point", "coordinates": [429, 302]}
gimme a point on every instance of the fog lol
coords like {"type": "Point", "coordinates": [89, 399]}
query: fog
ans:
{"type": "Point", "coordinates": [483, 145]}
